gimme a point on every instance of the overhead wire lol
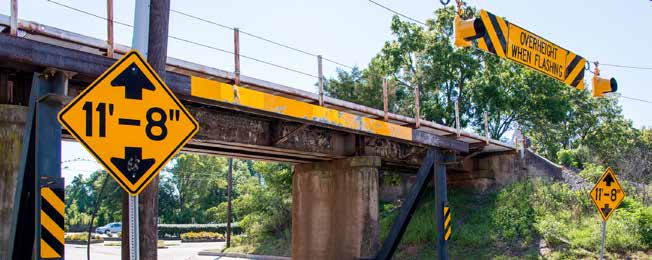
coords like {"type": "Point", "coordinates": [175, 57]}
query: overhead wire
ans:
{"type": "Point", "coordinates": [636, 99]}
{"type": "Point", "coordinates": [258, 37]}
{"type": "Point", "coordinates": [290, 47]}
{"type": "Point", "coordinates": [188, 41]}
{"type": "Point", "coordinates": [626, 66]}
{"type": "Point", "coordinates": [397, 13]}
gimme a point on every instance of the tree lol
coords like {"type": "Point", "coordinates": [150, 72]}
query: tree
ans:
{"type": "Point", "coordinates": [197, 180]}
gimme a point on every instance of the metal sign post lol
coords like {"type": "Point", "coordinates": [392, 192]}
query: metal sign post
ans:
{"type": "Point", "coordinates": [139, 42]}
{"type": "Point", "coordinates": [604, 234]}
{"type": "Point", "coordinates": [134, 253]}
{"type": "Point", "coordinates": [607, 194]}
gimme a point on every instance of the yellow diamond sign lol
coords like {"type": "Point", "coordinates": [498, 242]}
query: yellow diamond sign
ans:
{"type": "Point", "coordinates": [607, 194]}
{"type": "Point", "coordinates": [130, 121]}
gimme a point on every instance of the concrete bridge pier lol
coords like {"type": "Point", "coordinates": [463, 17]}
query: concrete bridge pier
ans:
{"type": "Point", "coordinates": [12, 125]}
{"type": "Point", "coordinates": [335, 209]}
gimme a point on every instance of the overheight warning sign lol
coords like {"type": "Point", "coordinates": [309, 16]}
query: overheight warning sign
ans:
{"type": "Point", "coordinates": [507, 40]}
{"type": "Point", "coordinates": [607, 194]}
{"type": "Point", "coordinates": [130, 121]}
{"type": "Point", "coordinates": [535, 52]}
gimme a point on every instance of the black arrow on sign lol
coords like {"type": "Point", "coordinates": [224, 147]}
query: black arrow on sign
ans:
{"type": "Point", "coordinates": [608, 179]}
{"type": "Point", "coordinates": [606, 209]}
{"type": "Point", "coordinates": [133, 166]}
{"type": "Point", "coordinates": [134, 82]}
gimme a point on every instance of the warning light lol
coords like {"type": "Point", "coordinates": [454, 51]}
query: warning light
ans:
{"type": "Point", "coordinates": [467, 31]}
{"type": "Point", "coordinates": [602, 86]}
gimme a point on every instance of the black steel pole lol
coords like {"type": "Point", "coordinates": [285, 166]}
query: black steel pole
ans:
{"type": "Point", "coordinates": [441, 197]}
{"type": "Point", "coordinates": [228, 207]}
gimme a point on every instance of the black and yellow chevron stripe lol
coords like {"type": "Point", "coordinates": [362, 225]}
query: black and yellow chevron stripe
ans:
{"type": "Point", "coordinates": [52, 221]}
{"type": "Point", "coordinates": [447, 223]}
{"type": "Point", "coordinates": [574, 75]}
{"type": "Point", "coordinates": [495, 35]}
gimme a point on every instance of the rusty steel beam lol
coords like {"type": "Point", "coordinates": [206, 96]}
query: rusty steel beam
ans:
{"type": "Point", "coordinates": [188, 68]}
{"type": "Point", "coordinates": [46, 55]}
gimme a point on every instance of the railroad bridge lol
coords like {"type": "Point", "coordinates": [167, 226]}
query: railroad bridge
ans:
{"type": "Point", "coordinates": [340, 150]}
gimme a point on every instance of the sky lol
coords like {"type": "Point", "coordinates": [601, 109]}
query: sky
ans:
{"type": "Point", "coordinates": [353, 31]}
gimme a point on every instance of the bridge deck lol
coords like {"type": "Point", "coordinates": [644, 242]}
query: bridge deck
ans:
{"type": "Point", "coordinates": [55, 48]}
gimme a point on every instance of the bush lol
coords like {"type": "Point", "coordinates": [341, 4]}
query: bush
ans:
{"type": "Point", "coordinates": [573, 157]}
{"type": "Point", "coordinates": [81, 237]}
{"type": "Point", "coordinates": [592, 172]}
{"type": "Point", "coordinates": [201, 236]}
{"type": "Point", "coordinates": [175, 230]}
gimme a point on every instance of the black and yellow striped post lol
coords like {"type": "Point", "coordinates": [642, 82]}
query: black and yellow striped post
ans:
{"type": "Point", "coordinates": [52, 219]}
{"type": "Point", "coordinates": [447, 223]}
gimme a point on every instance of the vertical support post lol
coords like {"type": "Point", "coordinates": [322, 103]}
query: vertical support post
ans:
{"type": "Point", "coordinates": [40, 166]}
{"type": "Point", "coordinates": [441, 198]}
{"type": "Point", "coordinates": [229, 188]}
{"type": "Point", "coordinates": [109, 28]}
{"type": "Point", "coordinates": [604, 236]}
{"type": "Point", "coordinates": [236, 63]}
{"type": "Point", "coordinates": [13, 30]}
{"type": "Point", "coordinates": [417, 107]}
{"type": "Point", "coordinates": [432, 159]}
{"type": "Point", "coordinates": [486, 127]}
{"type": "Point", "coordinates": [385, 99]}
{"type": "Point", "coordinates": [320, 73]}
{"type": "Point", "coordinates": [236, 55]}
{"type": "Point", "coordinates": [457, 118]}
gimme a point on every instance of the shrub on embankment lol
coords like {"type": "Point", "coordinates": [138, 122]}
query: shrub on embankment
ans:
{"type": "Point", "coordinates": [527, 219]}
{"type": "Point", "coordinates": [176, 230]}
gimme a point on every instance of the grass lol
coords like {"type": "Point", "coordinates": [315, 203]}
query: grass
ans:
{"type": "Point", "coordinates": [510, 223]}
{"type": "Point", "coordinates": [159, 244]}
{"type": "Point", "coordinates": [267, 245]}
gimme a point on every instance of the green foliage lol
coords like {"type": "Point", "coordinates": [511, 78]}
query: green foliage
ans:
{"type": "Point", "coordinates": [510, 221]}
{"type": "Point", "coordinates": [266, 207]}
{"type": "Point", "coordinates": [81, 237]}
{"type": "Point", "coordinates": [391, 179]}
{"type": "Point", "coordinates": [175, 230]}
{"type": "Point", "coordinates": [201, 236]}
{"type": "Point", "coordinates": [573, 157]}
{"type": "Point", "coordinates": [592, 172]}
{"type": "Point", "coordinates": [81, 195]}
{"type": "Point", "coordinates": [514, 214]}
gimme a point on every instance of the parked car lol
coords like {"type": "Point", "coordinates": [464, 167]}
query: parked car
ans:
{"type": "Point", "coordinates": [111, 228]}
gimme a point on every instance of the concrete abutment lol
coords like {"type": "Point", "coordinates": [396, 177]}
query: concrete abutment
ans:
{"type": "Point", "coordinates": [12, 126]}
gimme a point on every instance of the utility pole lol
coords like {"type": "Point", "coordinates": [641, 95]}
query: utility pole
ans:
{"type": "Point", "coordinates": [229, 196]}
{"type": "Point", "coordinates": [157, 49]}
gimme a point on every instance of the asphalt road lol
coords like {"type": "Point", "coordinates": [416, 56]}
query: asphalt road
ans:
{"type": "Point", "coordinates": [176, 251]}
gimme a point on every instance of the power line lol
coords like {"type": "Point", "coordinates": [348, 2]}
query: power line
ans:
{"type": "Point", "coordinates": [398, 13]}
{"type": "Point", "coordinates": [626, 66]}
{"type": "Point", "coordinates": [257, 37]}
{"type": "Point", "coordinates": [189, 41]}
{"type": "Point", "coordinates": [637, 99]}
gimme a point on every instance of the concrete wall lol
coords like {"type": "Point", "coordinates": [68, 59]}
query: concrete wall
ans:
{"type": "Point", "coordinates": [12, 123]}
{"type": "Point", "coordinates": [335, 209]}
{"type": "Point", "coordinates": [488, 171]}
